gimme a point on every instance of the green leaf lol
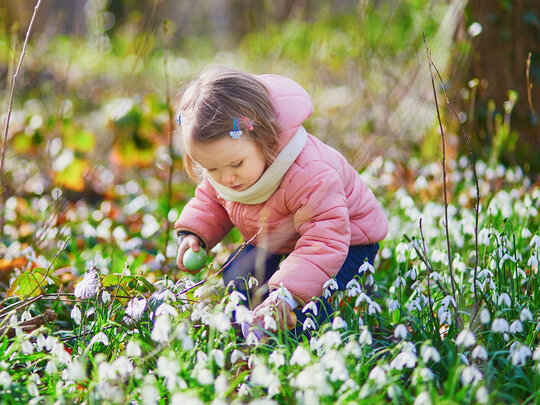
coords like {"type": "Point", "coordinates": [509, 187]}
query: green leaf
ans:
{"type": "Point", "coordinates": [29, 283]}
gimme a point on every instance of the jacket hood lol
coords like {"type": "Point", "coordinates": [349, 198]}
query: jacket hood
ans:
{"type": "Point", "coordinates": [292, 104]}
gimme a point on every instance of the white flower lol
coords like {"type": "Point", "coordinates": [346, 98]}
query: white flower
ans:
{"type": "Point", "coordinates": [378, 375]}
{"type": "Point", "coordinates": [353, 288]}
{"type": "Point", "coordinates": [414, 304]}
{"type": "Point", "coordinates": [205, 376]}
{"type": "Point", "coordinates": [400, 332]}
{"type": "Point", "coordinates": [399, 281]}
{"type": "Point", "coordinates": [361, 298]}
{"type": "Point", "coordinates": [482, 395]}
{"type": "Point", "coordinates": [311, 306]}
{"type": "Point", "coordinates": [252, 339]}
{"type": "Point", "coordinates": [423, 399]}
{"type": "Point", "coordinates": [499, 325]}
{"type": "Point", "coordinates": [166, 309]}
{"type": "Point", "coordinates": [338, 323]}
{"type": "Point", "coordinates": [471, 375]}
{"type": "Point", "coordinates": [516, 327]}
{"type": "Point", "coordinates": [300, 356]}
{"type": "Point", "coordinates": [365, 337]}
{"type": "Point", "coordinates": [161, 330]}
{"type": "Point", "coordinates": [135, 308]}
{"type": "Point", "coordinates": [445, 302]}
{"type": "Point", "coordinates": [374, 308]}
{"type": "Point", "coordinates": [76, 315]}
{"type": "Point", "coordinates": [88, 286]}
{"type": "Point", "coordinates": [133, 349]}
{"type": "Point", "coordinates": [366, 267]}
{"type": "Point", "coordinates": [270, 323]}
{"type": "Point", "coordinates": [520, 354]}
{"type": "Point", "coordinates": [100, 337]}
{"type": "Point", "coordinates": [167, 368]}
{"type": "Point", "coordinates": [466, 338]}
{"type": "Point", "coordinates": [76, 371]}
{"type": "Point", "coordinates": [404, 359]}
{"type": "Point", "coordinates": [329, 286]}
{"type": "Point", "coordinates": [479, 353]}
{"type": "Point", "coordinates": [504, 298]}
{"type": "Point", "coordinates": [122, 366]}
{"type": "Point", "coordinates": [309, 324]}
{"type": "Point", "coordinates": [535, 241]}
{"type": "Point", "coordinates": [536, 355]}
{"type": "Point", "coordinates": [277, 359]}
{"type": "Point", "coordinates": [105, 297]}
{"type": "Point", "coordinates": [27, 347]}
{"type": "Point", "coordinates": [411, 274]}
{"type": "Point", "coordinates": [150, 395]}
{"type": "Point", "coordinates": [220, 321]}
{"type": "Point", "coordinates": [485, 316]}
{"type": "Point", "coordinates": [393, 305]}
{"type": "Point", "coordinates": [533, 261]}
{"type": "Point", "coordinates": [430, 353]}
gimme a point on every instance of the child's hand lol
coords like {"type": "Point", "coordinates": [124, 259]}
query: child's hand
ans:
{"type": "Point", "coordinates": [186, 241]}
{"type": "Point", "coordinates": [275, 304]}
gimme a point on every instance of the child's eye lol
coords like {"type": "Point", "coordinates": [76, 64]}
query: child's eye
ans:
{"type": "Point", "coordinates": [237, 165]}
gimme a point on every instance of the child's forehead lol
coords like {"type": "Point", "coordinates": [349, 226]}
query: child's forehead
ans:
{"type": "Point", "coordinates": [223, 151]}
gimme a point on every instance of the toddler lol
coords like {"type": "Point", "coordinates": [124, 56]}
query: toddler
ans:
{"type": "Point", "coordinates": [305, 210]}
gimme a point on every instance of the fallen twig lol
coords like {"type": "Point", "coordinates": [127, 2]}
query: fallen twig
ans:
{"type": "Point", "coordinates": [27, 326]}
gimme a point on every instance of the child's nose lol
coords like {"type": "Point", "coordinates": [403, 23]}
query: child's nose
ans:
{"type": "Point", "coordinates": [228, 178]}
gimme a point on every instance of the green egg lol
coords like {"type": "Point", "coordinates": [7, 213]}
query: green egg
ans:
{"type": "Point", "coordinates": [194, 260]}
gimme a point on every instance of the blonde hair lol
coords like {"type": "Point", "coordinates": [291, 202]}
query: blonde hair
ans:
{"type": "Point", "coordinates": [220, 94]}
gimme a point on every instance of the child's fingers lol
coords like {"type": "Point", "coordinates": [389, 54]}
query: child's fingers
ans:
{"type": "Point", "coordinates": [186, 242]}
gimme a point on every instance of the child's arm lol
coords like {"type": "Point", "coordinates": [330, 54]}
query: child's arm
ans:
{"type": "Point", "coordinates": [205, 217]}
{"type": "Point", "coordinates": [317, 199]}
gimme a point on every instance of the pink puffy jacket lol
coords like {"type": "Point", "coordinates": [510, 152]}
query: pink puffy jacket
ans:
{"type": "Point", "coordinates": [320, 209]}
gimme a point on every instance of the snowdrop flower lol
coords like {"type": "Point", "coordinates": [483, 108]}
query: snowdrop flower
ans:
{"type": "Point", "coordinates": [218, 357]}
{"type": "Point", "coordinates": [76, 315]}
{"type": "Point", "coordinates": [100, 337]}
{"type": "Point", "coordinates": [243, 314]}
{"type": "Point", "coordinates": [236, 297]}
{"type": "Point", "coordinates": [309, 324]}
{"type": "Point", "coordinates": [150, 395]}
{"type": "Point", "coordinates": [135, 308]}
{"type": "Point", "coordinates": [479, 353]}
{"type": "Point", "coordinates": [482, 395]}
{"type": "Point", "coordinates": [533, 261]}
{"type": "Point", "coordinates": [366, 267]}
{"type": "Point", "coordinates": [221, 385]}
{"type": "Point", "coordinates": [105, 297]}
{"type": "Point", "coordinates": [133, 349]}
{"type": "Point", "coordinates": [50, 368]}
{"type": "Point", "coordinates": [519, 354]}
{"type": "Point", "coordinates": [411, 274]}
{"type": "Point", "coordinates": [404, 359]}
{"type": "Point", "coordinates": [446, 301]}
{"type": "Point", "coordinates": [466, 338]}
{"type": "Point", "coordinates": [161, 330]}
{"type": "Point", "coordinates": [430, 353]}
{"type": "Point", "coordinates": [277, 359]}
{"type": "Point", "coordinates": [353, 348]}
{"type": "Point", "coordinates": [330, 286]}
{"type": "Point", "coordinates": [374, 308]}
{"type": "Point", "coordinates": [167, 368]}
{"type": "Point", "coordinates": [484, 236]}
{"type": "Point", "coordinates": [300, 356]}
{"type": "Point", "coordinates": [399, 281]}
{"type": "Point", "coordinates": [88, 286]}
{"type": "Point", "coordinates": [205, 376]}
{"type": "Point", "coordinates": [445, 316]}
{"type": "Point", "coordinates": [365, 337]}
{"type": "Point", "coordinates": [220, 321]}
{"type": "Point", "coordinates": [504, 298]}
{"type": "Point", "coordinates": [122, 366]}
{"type": "Point", "coordinates": [270, 323]}
{"type": "Point", "coordinates": [378, 375]}
{"type": "Point", "coordinates": [237, 355]}
{"type": "Point", "coordinates": [27, 347]}
{"type": "Point", "coordinates": [361, 298]}
{"type": "Point", "coordinates": [353, 288]}
{"type": "Point", "coordinates": [435, 276]}
{"type": "Point", "coordinates": [535, 241]}
{"type": "Point", "coordinates": [338, 323]}
{"type": "Point", "coordinates": [166, 309]}
{"type": "Point", "coordinates": [393, 305]}
{"type": "Point", "coordinates": [400, 332]}
{"type": "Point", "coordinates": [414, 305]}
{"type": "Point", "coordinates": [75, 371]}
{"type": "Point", "coordinates": [423, 399]}
{"type": "Point", "coordinates": [499, 325]}
{"type": "Point", "coordinates": [485, 316]}
{"type": "Point", "coordinates": [311, 306]}
{"type": "Point", "coordinates": [471, 375]}
{"type": "Point", "coordinates": [516, 327]}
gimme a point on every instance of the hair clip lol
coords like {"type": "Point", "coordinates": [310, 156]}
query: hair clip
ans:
{"type": "Point", "coordinates": [179, 119]}
{"type": "Point", "coordinates": [236, 132]}
{"type": "Point", "coordinates": [249, 125]}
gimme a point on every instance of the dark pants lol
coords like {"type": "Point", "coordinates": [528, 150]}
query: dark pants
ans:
{"type": "Point", "coordinates": [262, 265]}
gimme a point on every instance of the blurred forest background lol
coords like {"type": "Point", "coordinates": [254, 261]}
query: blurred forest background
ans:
{"type": "Point", "coordinates": [94, 102]}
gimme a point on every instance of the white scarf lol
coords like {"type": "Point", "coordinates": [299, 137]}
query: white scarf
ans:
{"type": "Point", "coordinates": [270, 180]}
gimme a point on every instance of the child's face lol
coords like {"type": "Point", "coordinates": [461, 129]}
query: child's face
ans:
{"type": "Point", "coordinates": [234, 163]}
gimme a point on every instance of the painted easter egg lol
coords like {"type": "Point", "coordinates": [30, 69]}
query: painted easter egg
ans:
{"type": "Point", "coordinates": [194, 260]}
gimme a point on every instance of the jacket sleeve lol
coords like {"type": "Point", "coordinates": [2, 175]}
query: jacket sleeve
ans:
{"type": "Point", "coordinates": [321, 217]}
{"type": "Point", "coordinates": [204, 216]}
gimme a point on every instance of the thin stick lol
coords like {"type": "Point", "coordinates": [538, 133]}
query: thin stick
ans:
{"type": "Point", "coordinates": [444, 179]}
{"type": "Point", "coordinates": [8, 116]}
{"type": "Point", "coordinates": [428, 268]}
{"type": "Point", "coordinates": [477, 204]}
{"type": "Point", "coordinates": [529, 87]}
{"type": "Point", "coordinates": [171, 128]}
